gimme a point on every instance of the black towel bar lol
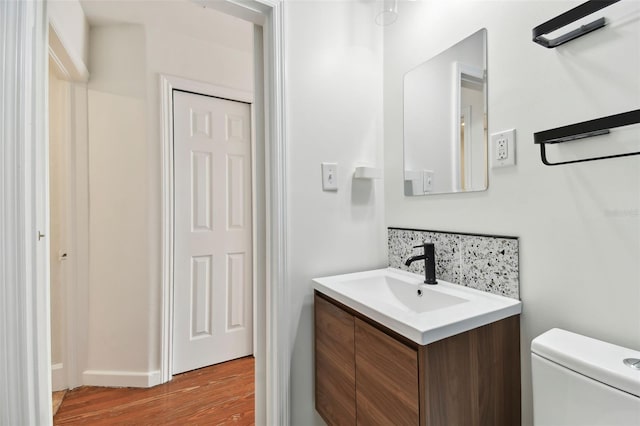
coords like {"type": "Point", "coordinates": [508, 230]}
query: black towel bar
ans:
{"type": "Point", "coordinates": [586, 129]}
{"type": "Point", "coordinates": [567, 18]}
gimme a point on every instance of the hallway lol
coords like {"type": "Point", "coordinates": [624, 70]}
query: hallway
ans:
{"type": "Point", "coordinates": [217, 395]}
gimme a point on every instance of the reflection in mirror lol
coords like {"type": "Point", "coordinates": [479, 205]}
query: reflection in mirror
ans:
{"type": "Point", "coordinates": [445, 121]}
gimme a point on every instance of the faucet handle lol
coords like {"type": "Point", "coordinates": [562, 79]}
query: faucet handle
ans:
{"type": "Point", "coordinates": [424, 245]}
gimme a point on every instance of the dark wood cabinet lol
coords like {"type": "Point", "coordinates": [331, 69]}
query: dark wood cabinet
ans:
{"type": "Point", "coordinates": [473, 378]}
{"type": "Point", "coordinates": [386, 378]}
{"type": "Point", "coordinates": [368, 375]}
{"type": "Point", "coordinates": [335, 363]}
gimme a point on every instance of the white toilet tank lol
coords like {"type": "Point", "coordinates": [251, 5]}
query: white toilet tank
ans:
{"type": "Point", "coordinates": [583, 382]}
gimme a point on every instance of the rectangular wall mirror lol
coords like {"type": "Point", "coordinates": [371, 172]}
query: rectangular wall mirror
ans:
{"type": "Point", "coordinates": [445, 121]}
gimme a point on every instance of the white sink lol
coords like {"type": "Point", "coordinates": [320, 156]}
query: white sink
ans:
{"type": "Point", "coordinates": [401, 293]}
{"type": "Point", "coordinates": [422, 313]}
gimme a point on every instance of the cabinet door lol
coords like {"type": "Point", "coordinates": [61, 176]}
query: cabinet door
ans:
{"type": "Point", "coordinates": [387, 378]}
{"type": "Point", "coordinates": [473, 378]}
{"type": "Point", "coordinates": [335, 364]}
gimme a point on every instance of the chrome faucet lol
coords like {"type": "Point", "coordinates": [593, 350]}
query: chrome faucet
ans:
{"type": "Point", "coordinates": [429, 258]}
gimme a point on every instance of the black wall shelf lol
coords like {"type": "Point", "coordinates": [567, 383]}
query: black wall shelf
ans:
{"type": "Point", "coordinates": [567, 18]}
{"type": "Point", "coordinates": [586, 129]}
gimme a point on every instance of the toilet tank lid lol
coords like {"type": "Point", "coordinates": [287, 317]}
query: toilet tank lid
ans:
{"type": "Point", "coordinates": [593, 358]}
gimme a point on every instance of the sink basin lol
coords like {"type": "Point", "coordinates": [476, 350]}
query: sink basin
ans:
{"type": "Point", "coordinates": [422, 313]}
{"type": "Point", "coordinates": [403, 294]}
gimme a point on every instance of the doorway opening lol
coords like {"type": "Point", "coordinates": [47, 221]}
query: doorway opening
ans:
{"type": "Point", "coordinates": [29, 364]}
{"type": "Point", "coordinates": [256, 271]}
{"type": "Point", "coordinates": [67, 189]}
{"type": "Point", "coordinates": [58, 226]}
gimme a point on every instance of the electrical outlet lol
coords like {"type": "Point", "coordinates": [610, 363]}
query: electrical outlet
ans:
{"type": "Point", "coordinates": [329, 176]}
{"type": "Point", "coordinates": [503, 152]}
{"type": "Point", "coordinates": [501, 146]}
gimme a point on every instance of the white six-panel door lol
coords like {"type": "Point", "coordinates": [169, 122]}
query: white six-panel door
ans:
{"type": "Point", "coordinates": [213, 248]}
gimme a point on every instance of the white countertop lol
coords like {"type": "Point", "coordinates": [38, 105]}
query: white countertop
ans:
{"type": "Point", "coordinates": [390, 297]}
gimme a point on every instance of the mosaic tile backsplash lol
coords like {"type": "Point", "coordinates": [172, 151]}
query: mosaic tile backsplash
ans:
{"type": "Point", "coordinates": [482, 262]}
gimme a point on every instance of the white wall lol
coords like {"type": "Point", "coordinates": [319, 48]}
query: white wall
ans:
{"type": "Point", "coordinates": [579, 225]}
{"type": "Point", "coordinates": [120, 287]}
{"type": "Point", "coordinates": [125, 165]}
{"type": "Point", "coordinates": [70, 26]}
{"type": "Point", "coordinates": [334, 98]}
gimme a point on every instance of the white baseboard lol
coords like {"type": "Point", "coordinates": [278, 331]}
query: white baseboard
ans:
{"type": "Point", "coordinates": [58, 377]}
{"type": "Point", "coordinates": [121, 379]}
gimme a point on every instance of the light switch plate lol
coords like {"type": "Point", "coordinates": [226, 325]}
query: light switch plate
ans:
{"type": "Point", "coordinates": [329, 176]}
{"type": "Point", "coordinates": [503, 149]}
{"type": "Point", "coordinates": [427, 181]}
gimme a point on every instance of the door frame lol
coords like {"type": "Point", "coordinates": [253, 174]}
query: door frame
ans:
{"type": "Point", "coordinates": [272, 384]}
{"type": "Point", "coordinates": [74, 75]}
{"type": "Point", "coordinates": [168, 84]}
{"type": "Point", "coordinates": [25, 361]}
{"type": "Point", "coordinates": [24, 286]}
{"type": "Point", "coordinates": [61, 370]}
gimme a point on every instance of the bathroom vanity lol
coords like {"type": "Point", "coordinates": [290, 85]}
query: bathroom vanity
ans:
{"type": "Point", "coordinates": [373, 365]}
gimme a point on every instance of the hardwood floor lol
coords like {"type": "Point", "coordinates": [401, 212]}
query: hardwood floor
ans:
{"type": "Point", "coordinates": [218, 395]}
{"type": "Point", "coordinates": [56, 400]}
